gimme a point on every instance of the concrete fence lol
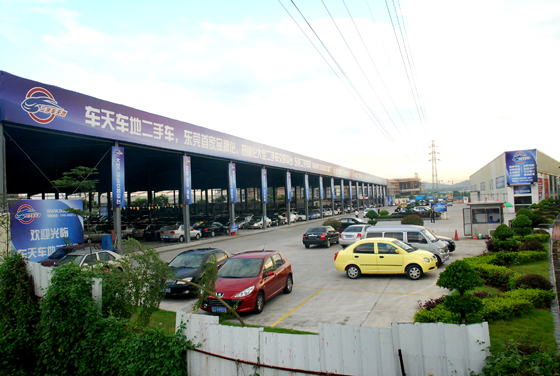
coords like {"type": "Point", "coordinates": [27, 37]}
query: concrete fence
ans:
{"type": "Point", "coordinates": [415, 349]}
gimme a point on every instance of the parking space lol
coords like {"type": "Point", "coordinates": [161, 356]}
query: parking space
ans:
{"type": "Point", "coordinates": [323, 294]}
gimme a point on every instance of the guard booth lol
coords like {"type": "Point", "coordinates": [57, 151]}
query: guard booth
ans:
{"type": "Point", "coordinates": [482, 218]}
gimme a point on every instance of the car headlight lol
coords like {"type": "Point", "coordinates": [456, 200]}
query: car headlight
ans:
{"type": "Point", "coordinates": [441, 250]}
{"type": "Point", "coordinates": [245, 292]}
{"type": "Point", "coordinates": [184, 281]}
{"type": "Point", "coordinates": [426, 259]}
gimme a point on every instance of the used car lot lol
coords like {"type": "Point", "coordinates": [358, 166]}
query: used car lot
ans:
{"type": "Point", "coordinates": [323, 294]}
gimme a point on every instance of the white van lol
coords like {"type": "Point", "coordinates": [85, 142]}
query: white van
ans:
{"type": "Point", "coordinates": [417, 236]}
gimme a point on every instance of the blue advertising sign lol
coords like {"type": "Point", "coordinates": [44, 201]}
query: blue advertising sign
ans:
{"type": "Point", "coordinates": [104, 211]}
{"type": "Point", "coordinates": [321, 193]}
{"type": "Point", "coordinates": [420, 197]}
{"type": "Point", "coordinates": [363, 191]}
{"type": "Point", "coordinates": [369, 190]}
{"type": "Point", "coordinates": [187, 183]}
{"type": "Point", "coordinates": [332, 188]}
{"type": "Point", "coordinates": [289, 186]}
{"type": "Point", "coordinates": [35, 104]}
{"type": "Point", "coordinates": [390, 201]}
{"type": "Point", "coordinates": [306, 187]}
{"type": "Point", "coordinates": [342, 189]}
{"type": "Point", "coordinates": [521, 167]}
{"type": "Point", "coordinates": [357, 190]}
{"type": "Point", "coordinates": [264, 185]}
{"type": "Point", "coordinates": [39, 227]}
{"type": "Point", "coordinates": [350, 189]}
{"type": "Point", "coordinates": [118, 176]}
{"type": "Point", "coordinates": [232, 184]}
{"type": "Point", "coordinates": [439, 207]}
{"type": "Point", "coordinates": [521, 189]}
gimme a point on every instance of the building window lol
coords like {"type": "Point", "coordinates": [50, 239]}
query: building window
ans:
{"type": "Point", "coordinates": [482, 186]}
{"type": "Point", "coordinates": [486, 215]}
{"type": "Point", "coordinates": [500, 182]}
{"type": "Point", "coordinates": [522, 202]}
{"type": "Point", "coordinates": [491, 184]}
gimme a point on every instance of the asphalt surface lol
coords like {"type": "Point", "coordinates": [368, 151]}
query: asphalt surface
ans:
{"type": "Point", "coordinates": [323, 294]}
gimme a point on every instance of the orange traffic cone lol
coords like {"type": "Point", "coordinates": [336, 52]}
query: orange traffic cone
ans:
{"type": "Point", "coordinates": [456, 237]}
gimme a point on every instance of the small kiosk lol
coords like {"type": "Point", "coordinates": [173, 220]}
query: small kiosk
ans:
{"type": "Point", "coordinates": [482, 218]}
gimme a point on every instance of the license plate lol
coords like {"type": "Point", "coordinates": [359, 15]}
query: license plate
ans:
{"type": "Point", "coordinates": [168, 290]}
{"type": "Point", "coordinates": [312, 236]}
{"type": "Point", "coordinates": [219, 309]}
{"type": "Point", "coordinates": [166, 237]}
{"type": "Point", "coordinates": [348, 236]}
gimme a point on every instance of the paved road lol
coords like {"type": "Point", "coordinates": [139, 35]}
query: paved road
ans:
{"type": "Point", "coordinates": [323, 294]}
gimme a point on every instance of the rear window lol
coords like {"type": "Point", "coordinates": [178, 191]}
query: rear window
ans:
{"type": "Point", "coordinates": [354, 229]}
{"type": "Point", "coordinates": [374, 235]}
{"type": "Point", "coordinates": [396, 235]}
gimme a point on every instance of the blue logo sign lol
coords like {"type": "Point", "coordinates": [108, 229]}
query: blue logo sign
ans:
{"type": "Point", "coordinates": [41, 106]}
{"type": "Point", "coordinates": [118, 176]}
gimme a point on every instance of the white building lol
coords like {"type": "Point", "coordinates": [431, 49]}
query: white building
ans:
{"type": "Point", "coordinates": [519, 178]}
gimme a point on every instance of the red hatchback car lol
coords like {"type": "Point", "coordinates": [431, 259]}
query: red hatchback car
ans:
{"type": "Point", "coordinates": [249, 279]}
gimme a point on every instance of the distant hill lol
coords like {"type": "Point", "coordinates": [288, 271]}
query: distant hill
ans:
{"type": "Point", "coordinates": [456, 186]}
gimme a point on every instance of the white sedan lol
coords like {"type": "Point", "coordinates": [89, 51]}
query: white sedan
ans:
{"type": "Point", "coordinates": [177, 233]}
{"type": "Point", "coordinates": [257, 222]}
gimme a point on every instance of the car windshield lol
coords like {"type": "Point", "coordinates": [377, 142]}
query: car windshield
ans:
{"type": "Point", "coordinates": [405, 246]}
{"type": "Point", "coordinates": [206, 224]}
{"type": "Point", "coordinates": [257, 219]}
{"type": "Point", "coordinates": [60, 253]}
{"type": "Point", "coordinates": [429, 235]}
{"type": "Point", "coordinates": [173, 227]}
{"type": "Point", "coordinates": [71, 258]}
{"type": "Point", "coordinates": [241, 268]}
{"type": "Point", "coordinates": [188, 260]}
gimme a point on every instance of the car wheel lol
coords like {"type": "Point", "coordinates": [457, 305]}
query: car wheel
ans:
{"type": "Point", "coordinates": [289, 285]}
{"type": "Point", "coordinates": [353, 272]}
{"type": "Point", "coordinates": [438, 261]}
{"type": "Point", "coordinates": [414, 272]}
{"type": "Point", "coordinates": [181, 239]}
{"type": "Point", "coordinates": [259, 303]}
{"type": "Point", "coordinates": [212, 234]}
{"type": "Point", "coordinates": [307, 246]}
{"type": "Point", "coordinates": [328, 245]}
{"type": "Point", "coordinates": [197, 236]}
{"type": "Point", "coordinates": [337, 240]}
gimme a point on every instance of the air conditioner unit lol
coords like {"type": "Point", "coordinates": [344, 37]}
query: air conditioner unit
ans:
{"type": "Point", "coordinates": [490, 232]}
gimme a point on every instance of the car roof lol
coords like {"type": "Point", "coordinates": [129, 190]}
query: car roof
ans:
{"type": "Point", "coordinates": [200, 250]}
{"type": "Point", "coordinates": [399, 227]}
{"type": "Point", "coordinates": [86, 252]}
{"type": "Point", "coordinates": [254, 254]}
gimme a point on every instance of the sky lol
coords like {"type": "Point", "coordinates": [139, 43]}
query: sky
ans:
{"type": "Point", "coordinates": [366, 84]}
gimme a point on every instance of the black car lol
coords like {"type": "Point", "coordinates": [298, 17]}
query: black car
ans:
{"type": "Point", "coordinates": [345, 222]}
{"type": "Point", "coordinates": [212, 229]}
{"type": "Point", "coordinates": [449, 241]}
{"type": "Point", "coordinates": [321, 235]}
{"type": "Point", "coordinates": [189, 265]}
{"type": "Point", "coordinates": [151, 232]}
{"type": "Point", "coordinates": [64, 250]}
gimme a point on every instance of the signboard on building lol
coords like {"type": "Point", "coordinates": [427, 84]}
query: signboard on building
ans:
{"type": "Point", "coordinates": [521, 189]}
{"type": "Point", "coordinates": [521, 167]}
{"type": "Point", "coordinates": [39, 227]}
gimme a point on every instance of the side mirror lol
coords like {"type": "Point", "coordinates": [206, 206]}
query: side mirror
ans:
{"type": "Point", "coordinates": [269, 274]}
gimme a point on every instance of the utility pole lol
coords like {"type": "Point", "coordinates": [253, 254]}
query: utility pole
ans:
{"type": "Point", "coordinates": [435, 181]}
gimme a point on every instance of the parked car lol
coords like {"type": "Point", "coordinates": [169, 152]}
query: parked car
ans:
{"type": "Point", "coordinates": [127, 230]}
{"type": "Point", "coordinates": [241, 222]}
{"type": "Point", "coordinates": [247, 280]}
{"type": "Point", "coordinates": [189, 265]}
{"type": "Point", "coordinates": [327, 212]}
{"type": "Point", "coordinates": [66, 249]}
{"type": "Point", "coordinates": [257, 222]}
{"type": "Point", "coordinates": [95, 234]}
{"type": "Point", "coordinates": [151, 232]}
{"type": "Point", "coordinates": [83, 258]}
{"type": "Point", "coordinates": [320, 235]}
{"type": "Point", "coordinates": [177, 233]}
{"type": "Point", "coordinates": [417, 236]}
{"type": "Point", "coordinates": [212, 229]}
{"type": "Point", "coordinates": [138, 232]}
{"type": "Point", "coordinates": [345, 222]}
{"type": "Point", "coordinates": [449, 241]}
{"type": "Point", "coordinates": [315, 213]}
{"type": "Point", "coordinates": [384, 256]}
{"type": "Point", "coordinates": [293, 216]}
{"type": "Point", "coordinates": [352, 234]}
{"type": "Point", "coordinates": [277, 220]}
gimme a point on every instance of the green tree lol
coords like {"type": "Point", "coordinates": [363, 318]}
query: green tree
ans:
{"type": "Point", "coordinates": [460, 276]}
{"type": "Point", "coordinates": [140, 202]}
{"type": "Point", "coordinates": [161, 200]}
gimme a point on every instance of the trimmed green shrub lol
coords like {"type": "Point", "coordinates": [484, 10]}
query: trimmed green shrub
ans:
{"type": "Point", "coordinates": [542, 237]}
{"type": "Point", "coordinates": [372, 214]}
{"type": "Point", "coordinates": [413, 219]}
{"type": "Point", "coordinates": [490, 246]}
{"type": "Point", "coordinates": [522, 225]}
{"type": "Point", "coordinates": [476, 260]}
{"type": "Point", "coordinates": [505, 258]}
{"type": "Point", "coordinates": [384, 213]}
{"type": "Point", "coordinates": [533, 281]}
{"type": "Point", "coordinates": [335, 223]}
{"type": "Point", "coordinates": [508, 245]}
{"type": "Point", "coordinates": [497, 276]}
{"type": "Point", "coordinates": [503, 232]}
{"type": "Point", "coordinates": [372, 222]}
{"type": "Point", "coordinates": [527, 257]}
{"type": "Point", "coordinates": [532, 245]}
{"type": "Point", "coordinates": [502, 308]}
{"type": "Point", "coordinates": [538, 298]}
{"type": "Point", "coordinates": [437, 314]}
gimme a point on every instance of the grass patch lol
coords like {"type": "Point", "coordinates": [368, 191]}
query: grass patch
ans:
{"type": "Point", "coordinates": [539, 267]}
{"type": "Point", "coordinates": [268, 329]}
{"type": "Point", "coordinates": [160, 319]}
{"type": "Point", "coordinates": [536, 324]}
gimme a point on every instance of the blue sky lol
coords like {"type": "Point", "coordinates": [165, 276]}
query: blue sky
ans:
{"type": "Point", "coordinates": [486, 72]}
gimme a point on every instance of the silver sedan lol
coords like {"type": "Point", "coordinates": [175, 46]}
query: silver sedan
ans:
{"type": "Point", "coordinates": [352, 234]}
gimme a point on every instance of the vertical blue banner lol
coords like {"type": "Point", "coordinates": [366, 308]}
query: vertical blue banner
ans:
{"type": "Point", "coordinates": [369, 191]}
{"type": "Point", "coordinates": [350, 189]}
{"type": "Point", "coordinates": [117, 154]}
{"type": "Point", "coordinates": [187, 183]}
{"type": "Point", "coordinates": [332, 188]}
{"type": "Point", "coordinates": [521, 166]}
{"type": "Point", "coordinates": [232, 184]}
{"type": "Point", "coordinates": [357, 191]}
{"type": "Point", "coordinates": [342, 189]}
{"type": "Point", "coordinates": [264, 186]}
{"type": "Point", "coordinates": [321, 188]}
{"type": "Point", "coordinates": [289, 186]}
{"type": "Point", "coordinates": [363, 191]}
{"type": "Point", "coordinates": [306, 187]}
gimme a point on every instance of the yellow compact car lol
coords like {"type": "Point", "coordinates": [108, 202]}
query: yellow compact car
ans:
{"type": "Point", "coordinates": [384, 256]}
